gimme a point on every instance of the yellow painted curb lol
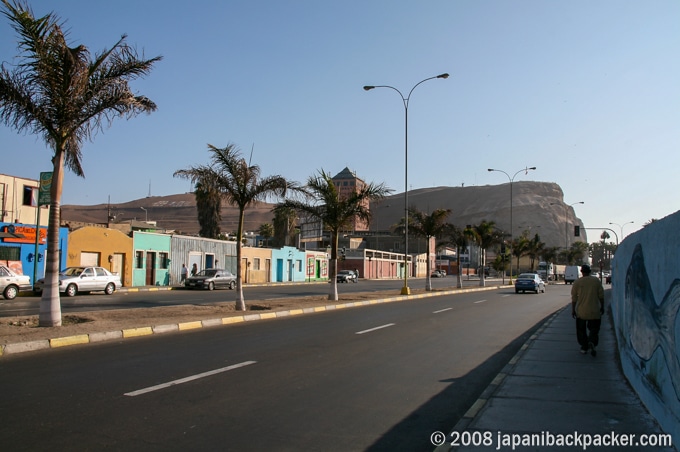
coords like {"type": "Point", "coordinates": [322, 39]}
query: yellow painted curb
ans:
{"type": "Point", "coordinates": [268, 315]}
{"type": "Point", "coordinates": [319, 308]}
{"type": "Point", "coordinates": [70, 340]}
{"type": "Point", "coordinates": [228, 320]}
{"type": "Point", "coordinates": [189, 325]}
{"type": "Point", "coordinates": [296, 311]}
{"type": "Point", "coordinates": [134, 332]}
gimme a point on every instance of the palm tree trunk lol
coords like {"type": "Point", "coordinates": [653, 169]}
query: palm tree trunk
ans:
{"type": "Point", "coordinates": [428, 269]}
{"type": "Point", "coordinates": [333, 294]}
{"type": "Point", "coordinates": [482, 281]}
{"type": "Point", "coordinates": [50, 303]}
{"type": "Point", "coordinates": [240, 301]}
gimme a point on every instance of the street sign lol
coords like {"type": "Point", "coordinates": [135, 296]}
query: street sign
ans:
{"type": "Point", "coordinates": [44, 189]}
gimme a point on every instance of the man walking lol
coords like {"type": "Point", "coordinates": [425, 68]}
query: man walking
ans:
{"type": "Point", "coordinates": [587, 307]}
{"type": "Point", "coordinates": [183, 274]}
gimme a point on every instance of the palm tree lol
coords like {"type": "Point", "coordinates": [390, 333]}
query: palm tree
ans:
{"type": "Point", "coordinates": [60, 93]}
{"type": "Point", "coordinates": [520, 246]}
{"type": "Point", "coordinates": [209, 208]}
{"type": "Point", "coordinates": [428, 226]}
{"type": "Point", "coordinates": [266, 231]}
{"type": "Point", "coordinates": [241, 186]}
{"type": "Point", "coordinates": [323, 203]}
{"type": "Point", "coordinates": [485, 235]}
{"type": "Point", "coordinates": [456, 237]}
{"type": "Point", "coordinates": [534, 250]}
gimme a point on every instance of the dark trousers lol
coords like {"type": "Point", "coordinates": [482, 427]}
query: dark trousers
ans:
{"type": "Point", "coordinates": [587, 331]}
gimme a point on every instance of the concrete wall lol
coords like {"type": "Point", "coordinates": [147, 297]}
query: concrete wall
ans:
{"type": "Point", "coordinates": [645, 303]}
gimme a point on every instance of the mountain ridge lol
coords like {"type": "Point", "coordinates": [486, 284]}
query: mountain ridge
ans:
{"type": "Point", "coordinates": [537, 207]}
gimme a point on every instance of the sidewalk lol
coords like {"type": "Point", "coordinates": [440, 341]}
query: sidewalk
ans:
{"type": "Point", "coordinates": [549, 388]}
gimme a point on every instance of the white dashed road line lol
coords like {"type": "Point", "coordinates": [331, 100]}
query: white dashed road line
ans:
{"type": "Point", "coordinates": [480, 301]}
{"type": "Point", "coordinates": [188, 379]}
{"type": "Point", "coordinates": [442, 310]}
{"type": "Point", "coordinates": [376, 328]}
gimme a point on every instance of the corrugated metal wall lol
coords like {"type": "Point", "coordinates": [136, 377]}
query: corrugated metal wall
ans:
{"type": "Point", "coordinates": [217, 250]}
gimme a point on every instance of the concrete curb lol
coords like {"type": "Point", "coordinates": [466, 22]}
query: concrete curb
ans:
{"type": "Point", "coordinates": [80, 339]}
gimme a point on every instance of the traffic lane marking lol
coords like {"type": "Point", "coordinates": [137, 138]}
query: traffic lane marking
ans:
{"type": "Point", "coordinates": [375, 329]}
{"type": "Point", "coordinates": [479, 301]}
{"type": "Point", "coordinates": [442, 310]}
{"type": "Point", "coordinates": [188, 379]}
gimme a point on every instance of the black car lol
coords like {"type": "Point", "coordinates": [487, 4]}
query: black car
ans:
{"type": "Point", "coordinates": [212, 278]}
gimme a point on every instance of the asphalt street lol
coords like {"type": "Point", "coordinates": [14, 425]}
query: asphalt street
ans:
{"type": "Point", "coordinates": [29, 304]}
{"type": "Point", "coordinates": [377, 378]}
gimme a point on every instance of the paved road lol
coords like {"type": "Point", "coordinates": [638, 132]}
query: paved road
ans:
{"type": "Point", "coordinates": [122, 300]}
{"type": "Point", "coordinates": [376, 378]}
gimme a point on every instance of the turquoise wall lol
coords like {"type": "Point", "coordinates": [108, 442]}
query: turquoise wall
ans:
{"type": "Point", "coordinates": [146, 244]}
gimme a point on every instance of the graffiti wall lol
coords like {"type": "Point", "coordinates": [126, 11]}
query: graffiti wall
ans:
{"type": "Point", "coordinates": [645, 304]}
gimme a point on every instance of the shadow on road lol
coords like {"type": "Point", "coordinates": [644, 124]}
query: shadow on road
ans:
{"type": "Point", "coordinates": [442, 412]}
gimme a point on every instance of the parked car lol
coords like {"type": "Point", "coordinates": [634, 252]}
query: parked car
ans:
{"type": "Point", "coordinates": [438, 274]}
{"type": "Point", "coordinates": [211, 278]}
{"type": "Point", "coordinates": [12, 283]}
{"type": "Point", "coordinates": [74, 280]}
{"type": "Point", "coordinates": [345, 276]}
{"type": "Point", "coordinates": [529, 281]}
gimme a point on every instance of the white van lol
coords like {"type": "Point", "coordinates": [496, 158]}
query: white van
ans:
{"type": "Point", "coordinates": [571, 273]}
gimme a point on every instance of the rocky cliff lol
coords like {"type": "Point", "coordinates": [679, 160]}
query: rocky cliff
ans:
{"type": "Point", "coordinates": [537, 207]}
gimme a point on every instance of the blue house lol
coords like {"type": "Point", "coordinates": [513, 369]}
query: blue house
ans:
{"type": "Point", "coordinates": [288, 264]}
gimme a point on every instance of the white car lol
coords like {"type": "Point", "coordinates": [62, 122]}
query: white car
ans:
{"type": "Point", "coordinates": [73, 280]}
{"type": "Point", "coordinates": [12, 283]}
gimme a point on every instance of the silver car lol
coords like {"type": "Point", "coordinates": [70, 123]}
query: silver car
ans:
{"type": "Point", "coordinates": [212, 278]}
{"type": "Point", "coordinates": [73, 280]}
{"type": "Point", "coordinates": [12, 283]}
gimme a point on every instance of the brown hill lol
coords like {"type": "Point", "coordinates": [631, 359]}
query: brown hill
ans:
{"type": "Point", "coordinates": [538, 207]}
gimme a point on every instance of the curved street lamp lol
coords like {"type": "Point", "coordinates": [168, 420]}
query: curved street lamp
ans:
{"type": "Point", "coordinates": [512, 179]}
{"type": "Point", "coordinates": [621, 226]}
{"type": "Point", "coordinates": [405, 290]}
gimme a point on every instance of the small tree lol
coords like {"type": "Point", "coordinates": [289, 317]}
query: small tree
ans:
{"type": "Point", "coordinates": [266, 231]}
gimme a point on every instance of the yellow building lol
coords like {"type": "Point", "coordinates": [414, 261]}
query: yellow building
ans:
{"type": "Point", "coordinates": [103, 247]}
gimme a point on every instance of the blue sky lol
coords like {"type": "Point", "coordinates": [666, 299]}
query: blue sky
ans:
{"type": "Point", "coordinates": [586, 91]}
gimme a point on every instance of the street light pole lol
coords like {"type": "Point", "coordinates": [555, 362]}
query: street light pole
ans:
{"type": "Point", "coordinates": [146, 215]}
{"type": "Point", "coordinates": [512, 179]}
{"type": "Point", "coordinates": [405, 290]}
{"type": "Point", "coordinates": [621, 226]}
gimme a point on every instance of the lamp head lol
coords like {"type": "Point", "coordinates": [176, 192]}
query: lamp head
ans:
{"type": "Point", "coordinates": [368, 88]}
{"type": "Point", "coordinates": [532, 168]}
{"type": "Point", "coordinates": [491, 169]}
{"type": "Point", "coordinates": [444, 75]}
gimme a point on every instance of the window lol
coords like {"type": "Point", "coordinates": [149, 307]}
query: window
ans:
{"type": "Point", "coordinates": [256, 263]}
{"type": "Point", "coordinates": [139, 259]}
{"type": "Point", "coordinates": [164, 260]}
{"type": "Point", "coordinates": [298, 264]}
{"type": "Point", "coordinates": [30, 196]}
{"type": "Point", "coordinates": [100, 271]}
{"type": "Point", "coordinates": [10, 253]}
